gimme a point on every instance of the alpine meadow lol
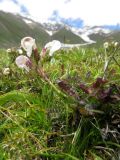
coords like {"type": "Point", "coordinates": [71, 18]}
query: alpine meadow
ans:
{"type": "Point", "coordinates": [59, 93]}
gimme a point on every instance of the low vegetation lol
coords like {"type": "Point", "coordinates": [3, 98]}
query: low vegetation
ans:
{"type": "Point", "coordinates": [65, 108]}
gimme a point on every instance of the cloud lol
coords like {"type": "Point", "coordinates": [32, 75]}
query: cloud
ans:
{"type": "Point", "coordinates": [13, 6]}
{"type": "Point", "coordinates": [9, 6]}
{"type": "Point", "coordinates": [24, 10]}
{"type": "Point", "coordinates": [77, 22]}
{"type": "Point", "coordinates": [90, 12]}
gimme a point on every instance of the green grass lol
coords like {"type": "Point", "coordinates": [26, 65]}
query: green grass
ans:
{"type": "Point", "coordinates": [53, 118]}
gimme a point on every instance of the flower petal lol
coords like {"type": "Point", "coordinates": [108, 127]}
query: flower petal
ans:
{"type": "Point", "coordinates": [22, 61]}
{"type": "Point", "coordinates": [28, 43]}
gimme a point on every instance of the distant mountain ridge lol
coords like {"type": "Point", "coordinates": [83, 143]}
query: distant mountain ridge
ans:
{"type": "Point", "coordinates": [14, 27]}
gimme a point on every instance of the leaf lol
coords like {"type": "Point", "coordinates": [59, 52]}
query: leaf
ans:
{"type": "Point", "coordinates": [86, 89]}
{"type": "Point", "coordinates": [36, 55]}
{"type": "Point", "coordinates": [67, 88]}
{"type": "Point", "coordinates": [99, 82]}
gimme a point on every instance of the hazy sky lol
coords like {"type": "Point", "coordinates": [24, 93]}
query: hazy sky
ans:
{"type": "Point", "coordinates": [76, 12]}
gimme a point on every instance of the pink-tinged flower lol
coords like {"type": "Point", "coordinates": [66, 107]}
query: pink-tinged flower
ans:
{"type": "Point", "coordinates": [52, 47]}
{"type": "Point", "coordinates": [28, 44]}
{"type": "Point", "coordinates": [23, 62]}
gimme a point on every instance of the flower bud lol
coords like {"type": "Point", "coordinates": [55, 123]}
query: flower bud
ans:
{"type": "Point", "coordinates": [20, 51]}
{"type": "Point", "coordinates": [116, 44]}
{"type": "Point", "coordinates": [106, 45]}
{"type": "Point", "coordinates": [9, 50]}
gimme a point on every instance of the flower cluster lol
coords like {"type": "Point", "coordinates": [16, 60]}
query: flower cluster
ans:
{"type": "Point", "coordinates": [111, 45]}
{"type": "Point", "coordinates": [28, 47]}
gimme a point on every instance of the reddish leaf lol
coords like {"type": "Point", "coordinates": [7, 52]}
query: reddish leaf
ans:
{"type": "Point", "coordinates": [62, 69]}
{"type": "Point", "coordinates": [86, 89]}
{"type": "Point", "coordinates": [99, 82]}
{"type": "Point", "coordinates": [67, 88]}
{"type": "Point", "coordinates": [36, 55]}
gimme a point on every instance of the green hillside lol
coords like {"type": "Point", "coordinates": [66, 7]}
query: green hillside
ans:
{"type": "Point", "coordinates": [99, 38]}
{"type": "Point", "coordinates": [13, 28]}
{"type": "Point", "coordinates": [66, 36]}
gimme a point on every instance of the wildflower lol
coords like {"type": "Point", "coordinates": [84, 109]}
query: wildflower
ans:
{"type": "Point", "coordinates": [9, 50]}
{"type": "Point", "coordinates": [106, 45]}
{"type": "Point", "coordinates": [116, 44]}
{"type": "Point", "coordinates": [28, 44]}
{"type": "Point", "coordinates": [6, 71]}
{"type": "Point", "coordinates": [52, 47]}
{"type": "Point", "coordinates": [20, 51]}
{"type": "Point", "coordinates": [23, 62]}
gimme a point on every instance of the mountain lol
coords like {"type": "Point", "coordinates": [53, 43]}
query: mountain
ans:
{"type": "Point", "coordinates": [66, 36]}
{"type": "Point", "coordinates": [14, 27]}
{"type": "Point", "coordinates": [90, 34]}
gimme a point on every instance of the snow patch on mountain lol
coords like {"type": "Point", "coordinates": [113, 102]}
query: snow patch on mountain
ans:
{"type": "Point", "coordinates": [86, 31]}
{"type": "Point", "coordinates": [49, 32]}
{"type": "Point", "coordinates": [27, 21]}
{"type": "Point", "coordinates": [86, 38]}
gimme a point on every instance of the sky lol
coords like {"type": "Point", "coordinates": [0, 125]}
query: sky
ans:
{"type": "Point", "coordinates": [76, 13]}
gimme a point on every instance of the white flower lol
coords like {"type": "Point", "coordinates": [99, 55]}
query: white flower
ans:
{"type": "Point", "coordinates": [23, 62]}
{"type": "Point", "coordinates": [116, 44]}
{"type": "Point", "coordinates": [28, 44]}
{"type": "Point", "coordinates": [52, 47]}
{"type": "Point", "coordinates": [106, 45]}
{"type": "Point", "coordinates": [6, 71]}
{"type": "Point", "coordinates": [9, 50]}
{"type": "Point", "coordinates": [20, 51]}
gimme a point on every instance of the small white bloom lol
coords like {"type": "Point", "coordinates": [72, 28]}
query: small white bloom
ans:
{"type": "Point", "coordinates": [6, 71]}
{"type": "Point", "coordinates": [28, 44]}
{"type": "Point", "coordinates": [20, 51]}
{"type": "Point", "coordinates": [106, 45]}
{"type": "Point", "coordinates": [9, 50]}
{"type": "Point", "coordinates": [116, 44]}
{"type": "Point", "coordinates": [22, 61]}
